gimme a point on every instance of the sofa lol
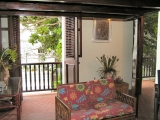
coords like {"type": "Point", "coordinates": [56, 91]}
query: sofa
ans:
{"type": "Point", "coordinates": [93, 100]}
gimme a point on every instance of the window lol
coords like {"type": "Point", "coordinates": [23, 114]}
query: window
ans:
{"type": "Point", "coordinates": [4, 36]}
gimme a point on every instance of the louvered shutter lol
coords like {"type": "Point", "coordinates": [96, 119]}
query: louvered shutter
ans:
{"type": "Point", "coordinates": [71, 60]}
{"type": "Point", "coordinates": [16, 32]}
{"type": "Point", "coordinates": [15, 43]}
{"type": "Point", "coordinates": [70, 37]}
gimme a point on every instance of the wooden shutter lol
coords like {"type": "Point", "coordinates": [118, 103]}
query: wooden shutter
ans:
{"type": "Point", "coordinates": [16, 32]}
{"type": "Point", "coordinates": [70, 37]}
{"type": "Point", "coordinates": [71, 60]}
{"type": "Point", "coordinates": [14, 22]}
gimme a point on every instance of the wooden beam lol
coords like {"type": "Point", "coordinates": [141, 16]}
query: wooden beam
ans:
{"type": "Point", "coordinates": [127, 3]}
{"type": "Point", "coordinates": [73, 14]}
{"type": "Point", "coordinates": [61, 7]}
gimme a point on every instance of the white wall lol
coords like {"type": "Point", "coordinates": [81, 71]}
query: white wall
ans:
{"type": "Point", "coordinates": [120, 45]}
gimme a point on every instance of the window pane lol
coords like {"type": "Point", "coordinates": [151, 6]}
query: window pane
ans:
{"type": "Point", "coordinates": [4, 22]}
{"type": "Point", "coordinates": [5, 43]}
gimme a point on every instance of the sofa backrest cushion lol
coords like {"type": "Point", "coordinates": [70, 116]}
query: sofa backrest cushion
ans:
{"type": "Point", "coordinates": [74, 95]}
{"type": "Point", "coordinates": [101, 90]}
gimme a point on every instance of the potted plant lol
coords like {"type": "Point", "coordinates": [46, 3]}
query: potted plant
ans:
{"type": "Point", "coordinates": [108, 66]}
{"type": "Point", "coordinates": [8, 58]}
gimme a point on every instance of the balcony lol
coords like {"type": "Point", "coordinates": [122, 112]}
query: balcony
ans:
{"type": "Point", "coordinates": [46, 76]}
{"type": "Point", "coordinates": [41, 76]}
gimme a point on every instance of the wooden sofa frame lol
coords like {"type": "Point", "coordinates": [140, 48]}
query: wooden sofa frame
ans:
{"type": "Point", "coordinates": [63, 112]}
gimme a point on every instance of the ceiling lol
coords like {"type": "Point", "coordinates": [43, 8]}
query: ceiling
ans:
{"type": "Point", "coordinates": [117, 9]}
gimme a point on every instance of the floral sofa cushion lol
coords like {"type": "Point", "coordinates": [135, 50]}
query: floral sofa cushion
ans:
{"type": "Point", "coordinates": [85, 114]}
{"type": "Point", "coordinates": [111, 108]}
{"type": "Point", "coordinates": [101, 90]}
{"type": "Point", "coordinates": [100, 110]}
{"type": "Point", "coordinates": [74, 95]}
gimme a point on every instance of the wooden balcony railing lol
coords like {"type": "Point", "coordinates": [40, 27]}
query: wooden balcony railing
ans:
{"type": "Point", "coordinates": [46, 76]}
{"type": "Point", "coordinates": [41, 76]}
{"type": "Point", "coordinates": [148, 67]}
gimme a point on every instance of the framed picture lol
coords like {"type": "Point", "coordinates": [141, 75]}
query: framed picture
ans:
{"type": "Point", "coordinates": [101, 30]}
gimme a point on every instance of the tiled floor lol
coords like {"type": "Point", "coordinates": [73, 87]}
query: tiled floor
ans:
{"type": "Point", "coordinates": [35, 106]}
{"type": "Point", "coordinates": [42, 106]}
{"type": "Point", "coordinates": [146, 101]}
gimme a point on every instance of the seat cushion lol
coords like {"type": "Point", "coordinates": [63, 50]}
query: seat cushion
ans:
{"type": "Point", "coordinates": [100, 110]}
{"type": "Point", "coordinates": [74, 95]}
{"type": "Point", "coordinates": [85, 114]}
{"type": "Point", "coordinates": [101, 90]}
{"type": "Point", "coordinates": [112, 108]}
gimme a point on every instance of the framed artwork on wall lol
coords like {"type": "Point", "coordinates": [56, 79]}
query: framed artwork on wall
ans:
{"type": "Point", "coordinates": [101, 30]}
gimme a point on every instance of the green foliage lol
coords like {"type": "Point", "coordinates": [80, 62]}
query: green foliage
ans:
{"type": "Point", "coordinates": [108, 65]}
{"type": "Point", "coordinates": [58, 52]}
{"type": "Point", "coordinates": [8, 57]}
{"type": "Point", "coordinates": [150, 34]}
{"type": "Point", "coordinates": [57, 82]}
{"type": "Point", "coordinates": [12, 55]}
{"type": "Point", "coordinates": [47, 31]}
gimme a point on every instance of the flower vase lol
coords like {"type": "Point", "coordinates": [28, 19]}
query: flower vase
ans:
{"type": "Point", "coordinates": [108, 75]}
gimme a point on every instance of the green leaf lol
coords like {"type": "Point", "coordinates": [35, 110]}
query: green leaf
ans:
{"type": "Point", "coordinates": [46, 30]}
{"type": "Point", "coordinates": [113, 61]}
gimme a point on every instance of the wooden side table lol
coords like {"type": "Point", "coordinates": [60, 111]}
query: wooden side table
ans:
{"type": "Point", "coordinates": [123, 87]}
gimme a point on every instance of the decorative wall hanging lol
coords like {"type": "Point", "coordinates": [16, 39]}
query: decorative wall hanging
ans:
{"type": "Point", "coordinates": [101, 30]}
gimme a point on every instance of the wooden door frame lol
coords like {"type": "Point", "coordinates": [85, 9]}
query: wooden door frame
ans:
{"type": "Point", "coordinates": [28, 8]}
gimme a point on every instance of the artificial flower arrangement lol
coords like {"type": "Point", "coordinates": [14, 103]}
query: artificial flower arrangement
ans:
{"type": "Point", "coordinates": [108, 66]}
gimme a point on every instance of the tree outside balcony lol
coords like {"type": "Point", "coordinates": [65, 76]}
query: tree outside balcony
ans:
{"type": "Point", "coordinates": [45, 31]}
{"type": "Point", "coordinates": [45, 41]}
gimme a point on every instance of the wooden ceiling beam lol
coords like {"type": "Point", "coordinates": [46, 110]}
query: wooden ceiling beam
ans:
{"type": "Point", "coordinates": [124, 3]}
{"type": "Point", "coordinates": [75, 14]}
{"type": "Point", "coordinates": [72, 8]}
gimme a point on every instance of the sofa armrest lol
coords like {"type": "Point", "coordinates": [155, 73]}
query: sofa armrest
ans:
{"type": "Point", "coordinates": [63, 112]}
{"type": "Point", "coordinates": [130, 100]}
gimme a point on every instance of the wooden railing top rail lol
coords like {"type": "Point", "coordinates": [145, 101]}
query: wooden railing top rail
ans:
{"type": "Point", "coordinates": [41, 63]}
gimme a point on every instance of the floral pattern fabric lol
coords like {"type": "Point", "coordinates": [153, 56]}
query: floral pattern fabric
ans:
{"type": "Point", "coordinates": [74, 95]}
{"type": "Point", "coordinates": [93, 100]}
{"type": "Point", "coordinates": [100, 110]}
{"type": "Point", "coordinates": [85, 114]}
{"type": "Point", "coordinates": [101, 90]}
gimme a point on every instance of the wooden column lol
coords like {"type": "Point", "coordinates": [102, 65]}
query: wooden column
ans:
{"type": "Point", "coordinates": [140, 54]}
{"type": "Point", "coordinates": [137, 61]}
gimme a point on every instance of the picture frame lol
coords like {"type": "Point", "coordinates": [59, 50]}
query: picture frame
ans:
{"type": "Point", "coordinates": [101, 30]}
